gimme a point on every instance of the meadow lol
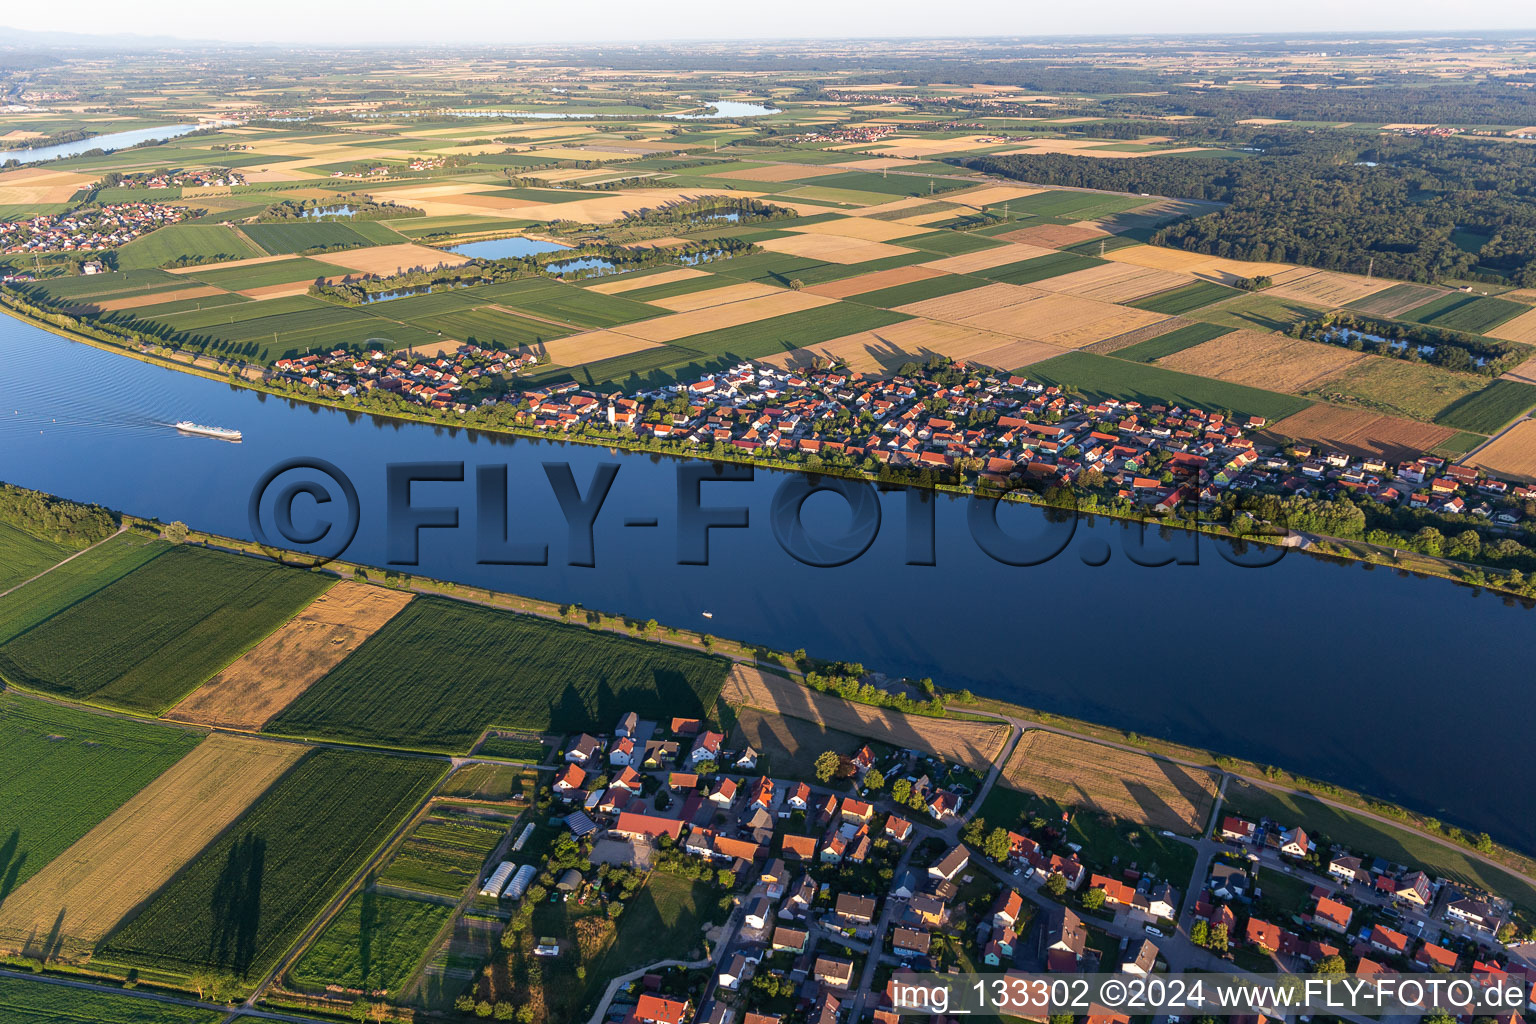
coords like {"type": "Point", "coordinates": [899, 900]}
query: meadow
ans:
{"type": "Point", "coordinates": [242, 903]}
{"type": "Point", "coordinates": [144, 641]}
{"type": "Point", "coordinates": [63, 771]}
{"type": "Point", "coordinates": [444, 854]}
{"type": "Point", "coordinates": [1397, 387]}
{"type": "Point", "coordinates": [1100, 377]}
{"type": "Point", "coordinates": [31, 1002]}
{"type": "Point", "coordinates": [375, 944]}
{"type": "Point", "coordinates": [1257, 311]}
{"type": "Point", "coordinates": [1378, 839]}
{"type": "Point", "coordinates": [23, 556]}
{"type": "Point", "coordinates": [286, 237]}
{"type": "Point", "coordinates": [74, 581]}
{"type": "Point", "coordinates": [506, 669]}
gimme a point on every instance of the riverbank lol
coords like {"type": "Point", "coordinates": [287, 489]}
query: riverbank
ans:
{"type": "Point", "coordinates": [243, 375]}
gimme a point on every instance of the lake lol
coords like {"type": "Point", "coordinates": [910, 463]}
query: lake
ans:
{"type": "Point", "coordinates": [505, 248]}
{"type": "Point", "coordinates": [1335, 670]}
{"type": "Point", "coordinates": [114, 140]}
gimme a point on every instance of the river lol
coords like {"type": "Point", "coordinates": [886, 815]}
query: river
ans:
{"type": "Point", "coordinates": [1411, 689]}
{"type": "Point", "coordinates": [114, 140]}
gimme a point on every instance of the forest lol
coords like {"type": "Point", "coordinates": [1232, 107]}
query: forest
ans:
{"type": "Point", "coordinates": [1397, 206]}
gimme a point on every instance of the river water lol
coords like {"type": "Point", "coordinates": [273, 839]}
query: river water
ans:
{"type": "Point", "coordinates": [1411, 689]}
{"type": "Point", "coordinates": [109, 142]}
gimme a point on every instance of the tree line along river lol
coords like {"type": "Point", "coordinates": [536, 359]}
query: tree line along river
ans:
{"type": "Point", "coordinates": [1409, 689]}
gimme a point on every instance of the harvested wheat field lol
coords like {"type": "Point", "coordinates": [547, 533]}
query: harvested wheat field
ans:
{"type": "Point", "coordinates": [986, 259]}
{"type": "Point", "coordinates": [777, 172]}
{"type": "Point", "coordinates": [717, 296]}
{"type": "Point", "coordinates": [1138, 335]}
{"type": "Point", "coordinates": [391, 259]}
{"type": "Point", "coordinates": [94, 884]}
{"type": "Point", "coordinates": [1134, 786]}
{"type": "Point", "coordinates": [274, 673]}
{"type": "Point", "coordinates": [1361, 433]}
{"type": "Point", "coordinates": [1265, 361]}
{"type": "Point", "coordinates": [973, 744]}
{"type": "Point", "coordinates": [864, 228]}
{"type": "Point", "coordinates": [1324, 287]}
{"type": "Point", "coordinates": [280, 291]}
{"type": "Point", "coordinates": [589, 347]}
{"type": "Point", "coordinates": [1115, 282]}
{"type": "Point", "coordinates": [872, 282]}
{"type": "Point", "coordinates": [630, 282]}
{"type": "Point", "coordinates": [1522, 328]}
{"type": "Point", "coordinates": [37, 186]}
{"type": "Point", "coordinates": [135, 301]}
{"type": "Point", "coordinates": [1080, 327]}
{"type": "Point", "coordinates": [764, 307]}
{"type": "Point", "coordinates": [834, 248]}
{"type": "Point", "coordinates": [1512, 454]}
{"type": "Point", "coordinates": [1053, 236]}
{"type": "Point", "coordinates": [986, 299]}
{"type": "Point", "coordinates": [886, 348]}
{"type": "Point", "coordinates": [1159, 258]}
{"type": "Point", "coordinates": [1525, 373]}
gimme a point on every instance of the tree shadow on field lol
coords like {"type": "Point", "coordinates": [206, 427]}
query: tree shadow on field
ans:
{"type": "Point", "coordinates": [237, 905]}
{"type": "Point", "coordinates": [11, 862]}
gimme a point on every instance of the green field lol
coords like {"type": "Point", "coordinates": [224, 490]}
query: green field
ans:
{"type": "Point", "coordinates": [1072, 205]}
{"type": "Point", "coordinates": [63, 770]}
{"type": "Point", "coordinates": [110, 286]}
{"type": "Point", "coordinates": [23, 556]}
{"type": "Point", "coordinates": [505, 669]}
{"type": "Point", "coordinates": [374, 944]}
{"type": "Point", "coordinates": [1153, 349]}
{"type": "Point", "coordinates": [951, 243]}
{"type": "Point", "coordinates": [1039, 268]}
{"type": "Point", "coordinates": [296, 237]}
{"type": "Point", "coordinates": [791, 331]}
{"type": "Point", "coordinates": [1188, 297]}
{"type": "Point", "coordinates": [147, 639]}
{"type": "Point", "coordinates": [74, 581]}
{"type": "Point", "coordinates": [568, 304]}
{"type": "Point", "coordinates": [444, 855]}
{"type": "Point", "coordinates": [887, 185]}
{"type": "Point", "coordinates": [245, 899]}
{"type": "Point", "coordinates": [206, 240]}
{"type": "Point", "coordinates": [1472, 313]}
{"type": "Point", "coordinates": [1400, 388]}
{"type": "Point", "coordinates": [512, 748]}
{"type": "Point", "coordinates": [917, 291]}
{"type": "Point", "coordinates": [35, 1002]}
{"type": "Point", "coordinates": [1491, 408]}
{"type": "Point", "coordinates": [1377, 839]}
{"type": "Point", "coordinates": [1100, 377]}
{"type": "Point", "coordinates": [1257, 312]}
{"type": "Point", "coordinates": [491, 327]}
{"type": "Point", "coordinates": [260, 275]}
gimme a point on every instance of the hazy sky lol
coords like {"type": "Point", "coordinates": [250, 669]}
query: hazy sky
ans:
{"type": "Point", "coordinates": [478, 21]}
